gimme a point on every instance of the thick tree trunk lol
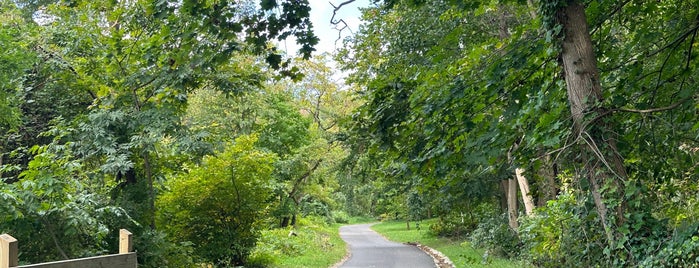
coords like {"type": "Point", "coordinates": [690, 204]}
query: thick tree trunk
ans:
{"type": "Point", "coordinates": [604, 163]}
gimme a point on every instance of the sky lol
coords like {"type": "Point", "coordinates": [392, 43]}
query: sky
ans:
{"type": "Point", "coordinates": [321, 12]}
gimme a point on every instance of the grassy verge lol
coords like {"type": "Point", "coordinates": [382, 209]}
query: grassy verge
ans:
{"type": "Point", "coordinates": [360, 220]}
{"type": "Point", "coordinates": [315, 244]}
{"type": "Point", "coordinates": [459, 251]}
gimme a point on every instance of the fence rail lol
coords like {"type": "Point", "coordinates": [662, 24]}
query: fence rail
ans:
{"type": "Point", "coordinates": [125, 259]}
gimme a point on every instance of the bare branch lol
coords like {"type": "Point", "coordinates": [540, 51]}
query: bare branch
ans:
{"type": "Point", "coordinates": [338, 22]}
{"type": "Point", "coordinates": [336, 9]}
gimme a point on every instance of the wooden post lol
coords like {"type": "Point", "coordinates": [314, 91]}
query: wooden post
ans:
{"type": "Point", "coordinates": [125, 243]}
{"type": "Point", "coordinates": [8, 251]}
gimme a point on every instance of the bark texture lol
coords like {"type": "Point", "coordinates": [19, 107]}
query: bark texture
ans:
{"type": "Point", "coordinates": [603, 163]}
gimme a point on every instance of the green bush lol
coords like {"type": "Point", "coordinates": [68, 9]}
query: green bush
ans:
{"type": "Point", "coordinates": [312, 243]}
{"type": "Point", "coordinates": [563, 233]}
{"type": "Point", "coordinates": [680, 251]}
{"type": "Point", "coordinates": [340, 217]}
{"type": "Point", "coordinates": [156, 251]}
{"type": "Point", "coordinates": [219, 205]}
{"type": "Point", "coordinates": [496, 236]}
{"type": "Point", "coordinates": [457, 224]}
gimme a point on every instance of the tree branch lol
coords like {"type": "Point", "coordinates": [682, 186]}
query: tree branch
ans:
{"type": "Point", "coordinates": [67, 64]}
{"type": "Point", "coordinates": [337, 22]}
{"type": "Point", "coordinates": [337, 8]}
{"type": "Point", "coordinates": [655, 110]}
{"type": "Point", "coordinates": [300, 180]}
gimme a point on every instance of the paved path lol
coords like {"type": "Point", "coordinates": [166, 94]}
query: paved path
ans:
{"type": "Point", "coordinates": [369, 249]}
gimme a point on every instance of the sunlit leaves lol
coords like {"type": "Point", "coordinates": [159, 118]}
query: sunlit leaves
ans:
{"type": "Point", "coordinates": [219, 205]}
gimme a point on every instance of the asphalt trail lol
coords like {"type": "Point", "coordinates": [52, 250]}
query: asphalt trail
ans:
{"type": "Point", "coordinates": [369, 249]}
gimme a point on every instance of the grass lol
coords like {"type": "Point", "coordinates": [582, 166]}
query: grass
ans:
{"type": "Point", "coordinates": [361, 219]}
{"type": "Point", "coordinates": [459, 251]}
{"type": "Point", "coordinates": [315, 245]}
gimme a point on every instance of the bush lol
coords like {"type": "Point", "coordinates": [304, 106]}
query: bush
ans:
{"type": "Point", "coordinates": [563, 233]}
{"type": "Point", "coordinates": [680, 251]}
{"type": "Point", "coordinates": [219, 205]}
{"type": "Point", "coordinates": [340, 217]}
{"type": "Point", "coordinates": [154, 250]}
{"type": "Point", "coordinates": [456, 224]}
{"type": "Point", "coordinates": [312, 243]}
{"type": "Point", "coordinates": [496, 236]}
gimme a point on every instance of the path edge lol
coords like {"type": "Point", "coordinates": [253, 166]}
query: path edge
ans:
{"type": "Point", "coordinates": [440, 260]}
{"type": "Point", "coordinates": [344, 259]}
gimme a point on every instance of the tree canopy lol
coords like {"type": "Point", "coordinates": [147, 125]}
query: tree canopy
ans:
{"type": "Point", "coordinates": [557, 132]}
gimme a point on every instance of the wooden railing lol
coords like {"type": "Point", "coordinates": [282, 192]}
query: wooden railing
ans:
{"type": "Point", "coordinates": [125, 259]}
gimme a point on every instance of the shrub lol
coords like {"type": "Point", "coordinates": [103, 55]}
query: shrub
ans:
{"type": "Point", "coordinates": [563, 233]}
{"type": "Point", "coordinates": [154, 250]}
{"type": "Point", "coordinates": [340, 216]}
{"type": "Point", "coordinates": [218, 206]}
{"type": "Point", "coordinates": [680, 251]}
{"type": "Point", "coordinates": [495, 235]}
{"type": "Point", "coordinates": [456, 224]}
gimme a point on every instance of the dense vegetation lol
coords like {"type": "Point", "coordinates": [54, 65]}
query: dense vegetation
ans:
{"type": "Point", "coordinates": [178, 120]}
{"type": "Point", "coordinates": [554, 132]}
{"type": "Point", "coordinates": [584, 112]}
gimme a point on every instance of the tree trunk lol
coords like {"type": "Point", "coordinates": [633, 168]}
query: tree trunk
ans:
{"type": "Point", "coordinates": [151, 189]}
{"type": "Point", "coordinates": [549, 188]}
{"type": "Point", "coordinates": [503, 197]}
{"type": "Point", "coordinates": [524, 190]}
{"type": "Point", "coordinates": [584, 95]}
{"type": "Point", "coordinates": [512, 203]}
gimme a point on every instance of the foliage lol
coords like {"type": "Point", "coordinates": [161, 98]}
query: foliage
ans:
{"type": "Point", "coordinates": [162, 252]}
{"type": "Point", "coordinates": [218, 206]}
{"type": "Point", "coordinates": [680, 251]}
{"type": "Point", "coordinates": [463, 223]}
{"type": "Point", "coordinates": [552, 236]}
{"type": "Point", "coordinates": [55, 200]}
{"type": "Point", "coordinates": [341, 217]}
{"type": "Point", "coordinates": [15, 59]}
{"type": "Point", "coordinates": [495, 235]}
{"type": "Point", "coordinates": [458, 94]}
{"type": "Point", "coordinates": [300, 246]}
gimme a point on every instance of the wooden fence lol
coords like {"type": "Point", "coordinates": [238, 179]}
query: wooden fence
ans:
{"type": "Point", "coordinates": [125, 259]}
